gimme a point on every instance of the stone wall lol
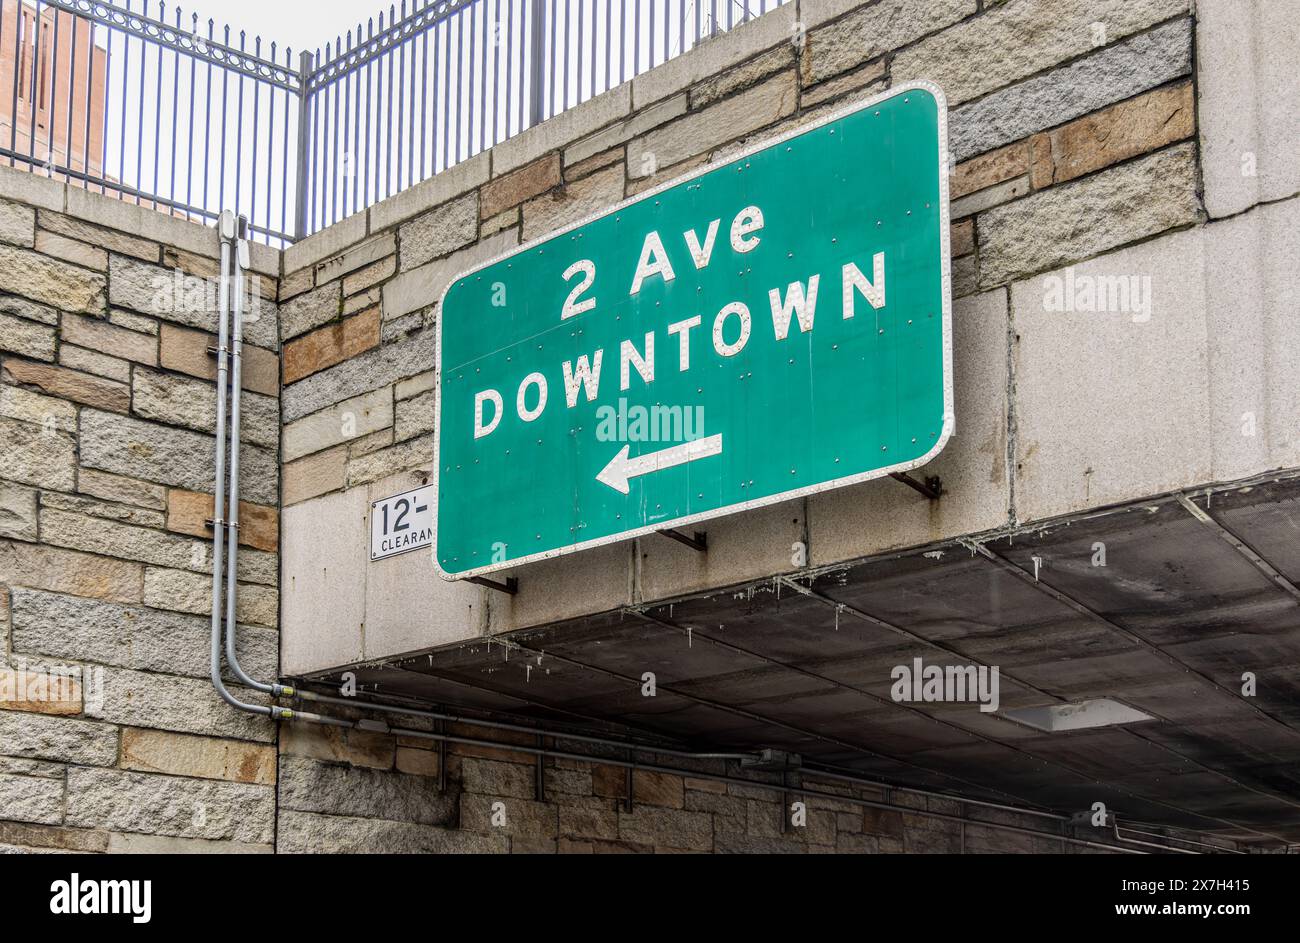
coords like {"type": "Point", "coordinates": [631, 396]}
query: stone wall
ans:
{"type": "Point", "coordinates": [111, 735]}
{"type": "Point", "coordinates": [354, 791]}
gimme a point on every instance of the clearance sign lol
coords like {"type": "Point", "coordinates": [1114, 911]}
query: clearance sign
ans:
{"type": "Point", "coordinates": [771, 327]}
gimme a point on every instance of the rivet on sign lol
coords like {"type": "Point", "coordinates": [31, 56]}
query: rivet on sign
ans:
{"type": "Point", "coordinates": [832, 130]}
{"type": "Point", "coordinates": [884, 448]}
{"type": "Point", "coordinates": [835, 346]}
{"type": "Point", "coordinates": [792, 360]}
{"type": "Point", "coordinates": [914, 438]}
{"type": "Point", "coordinates": [837, 461]}
{"type": "Point", "coordinates": [881, 331]}
{"type": "Point", "coordinates": [792, 471]}
{"type": "Point", "coordinates": [877, 114]}
{"type": "Point", "coordinates": [833, 239]}
{"type": "Point", "coordinates": [906, 100]}
{"type": "Point", "coordinates": [909, 212]}
{"type": "Point", "coordinates": [877, 222]}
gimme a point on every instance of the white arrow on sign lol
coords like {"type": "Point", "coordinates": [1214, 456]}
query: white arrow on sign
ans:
{"type": "Point", "coordinates": [621, 468]}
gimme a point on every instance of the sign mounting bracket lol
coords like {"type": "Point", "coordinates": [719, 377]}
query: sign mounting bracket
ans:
{"type": "Point", "coordinates": [510, 587]}
{"type": "Point", "coordinates": [932, 487]}
{"type": "Point", "coordinates": [699, 543]}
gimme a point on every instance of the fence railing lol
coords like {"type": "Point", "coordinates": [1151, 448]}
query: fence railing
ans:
{"type": "Point", "coordinates": [152, 106]}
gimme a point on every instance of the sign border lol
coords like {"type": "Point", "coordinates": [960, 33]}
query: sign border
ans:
{"type": "Point", "coordinates": [949, 420]}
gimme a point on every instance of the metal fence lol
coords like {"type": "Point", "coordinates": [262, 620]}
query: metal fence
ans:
{"type": "Point", "coordinates": [152, 106]}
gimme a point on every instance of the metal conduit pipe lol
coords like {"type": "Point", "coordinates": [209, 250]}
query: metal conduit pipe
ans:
{"type": "Point", "coordinates": [518, 728]}
{"type": "Point", "coordinates": [240, 263]}
{"type": "Point", "coordinates": [226, 228]}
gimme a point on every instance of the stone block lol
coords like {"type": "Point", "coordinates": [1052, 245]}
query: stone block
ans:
{"type": "Point", "coordinates": [65, 571]}
{"type": "Point", "coordinates": [874, 30]}
{"type": "Point", "coordinates": [343, 422]}
{"type": "Point", "coordinates": [125, 490]}
{"type": "Point", "coordinates": [170, 805]}
{"type": "Point", "coordinates": [436, 190]}
{"type": "Point", "coordinates": [701, 131]}
{"type": "Point", "coordinates": [1015, 40]}
{"type": "Point", "coordinates": [188, 512]}
{"type": "Point", "coordinates": [63, 739]}
{"type": "Point", "coordinates": [1106, 76]}
{"type": "Point", "coordinates": [17, 511]}
{"type": "Point", "coordinates": [420, 287]}
{"type": "Point", "coordinates": [50, 281]}
{"type": "Point", "coordinates": [1081, 219]}
{"type": "Point", "coordinates": [186, 351]}
{"type": "Point", "coordinates": [107, 339]}
{"type": "Point", "coordinates": [33, 456]}
{"type": "Point", "coordinates": [71, 250]}
{"type": "Point", "coordinates": [440, 231]}
{"type": "Point", "coordinates": [156, 751]}
{"type": "Point", "coordinates": [68, 384]}
{"type": "Point", "coordinates": [331, 345]}
{"type": "Point", "coordinates": [19, 336]}
{"type": "Point", "coordinates": [107, 239]}
{"type": "Point", "coordinates": [30, 799]}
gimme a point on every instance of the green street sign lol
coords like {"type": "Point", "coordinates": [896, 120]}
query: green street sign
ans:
{"type": "Point", "coordinates": [770, 327]}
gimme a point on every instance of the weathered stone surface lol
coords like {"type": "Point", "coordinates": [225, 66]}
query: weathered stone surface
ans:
{"type": "Point", "coordinates": [170, 805]}
{"type": "Point", "coordinates": [30, 799]}
{"type": "Point", "coordinates": [674, 828]}
{"type": "Point", "coordinates": [310, 786]}
{"type": "Point", "coordinates": [156, 751]}
{"type": "Point", "coordinates": [182, 591]}
{"type": "Point", "coordinates": [132, 322]}
{"type": "Point", "coordinates": [112, 511]}
{"type": "Point", "coordinates": [64, 571]}
{"type": "Point", "coordinates": [40, 692]}
{"type": "Point", "coordinates": [310, 310]}
{"type": "Point", "coordinates": [372, 370]}
{"type": "Point", "coordinates": [104, 338]}
{"type": "Point", "coordinates": [408, 456]}
{"type": "Point", "coordinates": [415, 385]}
{"type": "Point", "coordinates": [370, 749]}
{"type": "Point", "coordinates": [68, 384]}
{"type": "Point", "coordinates": [120, 843]}
{"type": "Point", "coordinates": [1246, 51]}
{"type": "Point", "coordinates": [1133, 127]}
{"type": "Point", "coordinates": [572, 202]}
{"type": "Point", "coordinates": [369, 276]}
{"type": "Point", "coordinates": [701, 131]}
{"type": "Point", "coordinates": [414, 416]}
{"type": "Point", "coordinates": [865, 78]}
{"type": "Point", "coordinates": [173, 295]}
{"type": "Point", "coordinates": [519, 185]}
{"type": "Point", "coordinates": [187, 512]}
{"type": "Point", "coordinates": [34, 456]}
{"type": "Point", "coordinates": [58, 284]}
{"type": "Point", "coordinates": [117, 488]}
{"type": "Point", "coordinates": [440, 231]}
{"type": "Point", "coordinates": [45, 411]}
{"type": "Point", "coordinates": [88, 361]}
{"type": "Point", "coordinates": [743, 75]}
{"type": "Point", "coordinates": [326, 242]}
{"type": "Point", "coordinates": [93, 535]}
{"type": "Point", "coordinates": [186, 351]}
{"type": "Point", "coordinates": [875, 30]}
{"type": "Point", "coordinates": [305, 832]}
{"type": "Point", "coordinates": [989, 169]}
{"type": "Point", "coordinates": [165, 455]}
{"type": "Point", "coordinates": [346, 421]}
{"type": "Point", "coordinates": [1016, 40]}
{"type": "Point", "coordinates": [17, 511]}
{"type": "Point", "coordinates": [1080, 219]}
{"type": "Point", "coordinates": [26, 338]}
{"type": "Point", "coordinates": [48, 837]}
{"type": "Point", "coordinates": [181, 401]}
{"type": "Point", "coordinates": [71, 250]}
{"type": "Point", "coordinates": [1106, 76]}
{"type": "Point", "coordinates": [603, 141]}
{"type": "Point", "coordinates": [990, 196]}
{"type": "Point", "coordinates": [330, 345]}
{"type": "Point", "coordinates": [23, 308]}
{"type": "Point", "coordinates": [524, 819]}
{"type": "Point", "coordinates": [70, 627]}
{"type": "Point", "coordinates": [186, 705]}
{"type": "Point", "coordinates": [314, 475]}
{"type": "Point", "coordinates": [296, 284]}
{"type": "Point", "coordinates": [495, 778]}
{"type": "Point", "coordinates": [41, 736]}
{"type": "Point", "coordinates": [423, 286]}
{"type": "Point", "coordinates": [351, 259]}
{"type": "Point", "coordinates": [109, 239]}
{"type": "Point", "coordinates": [17, 223]}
